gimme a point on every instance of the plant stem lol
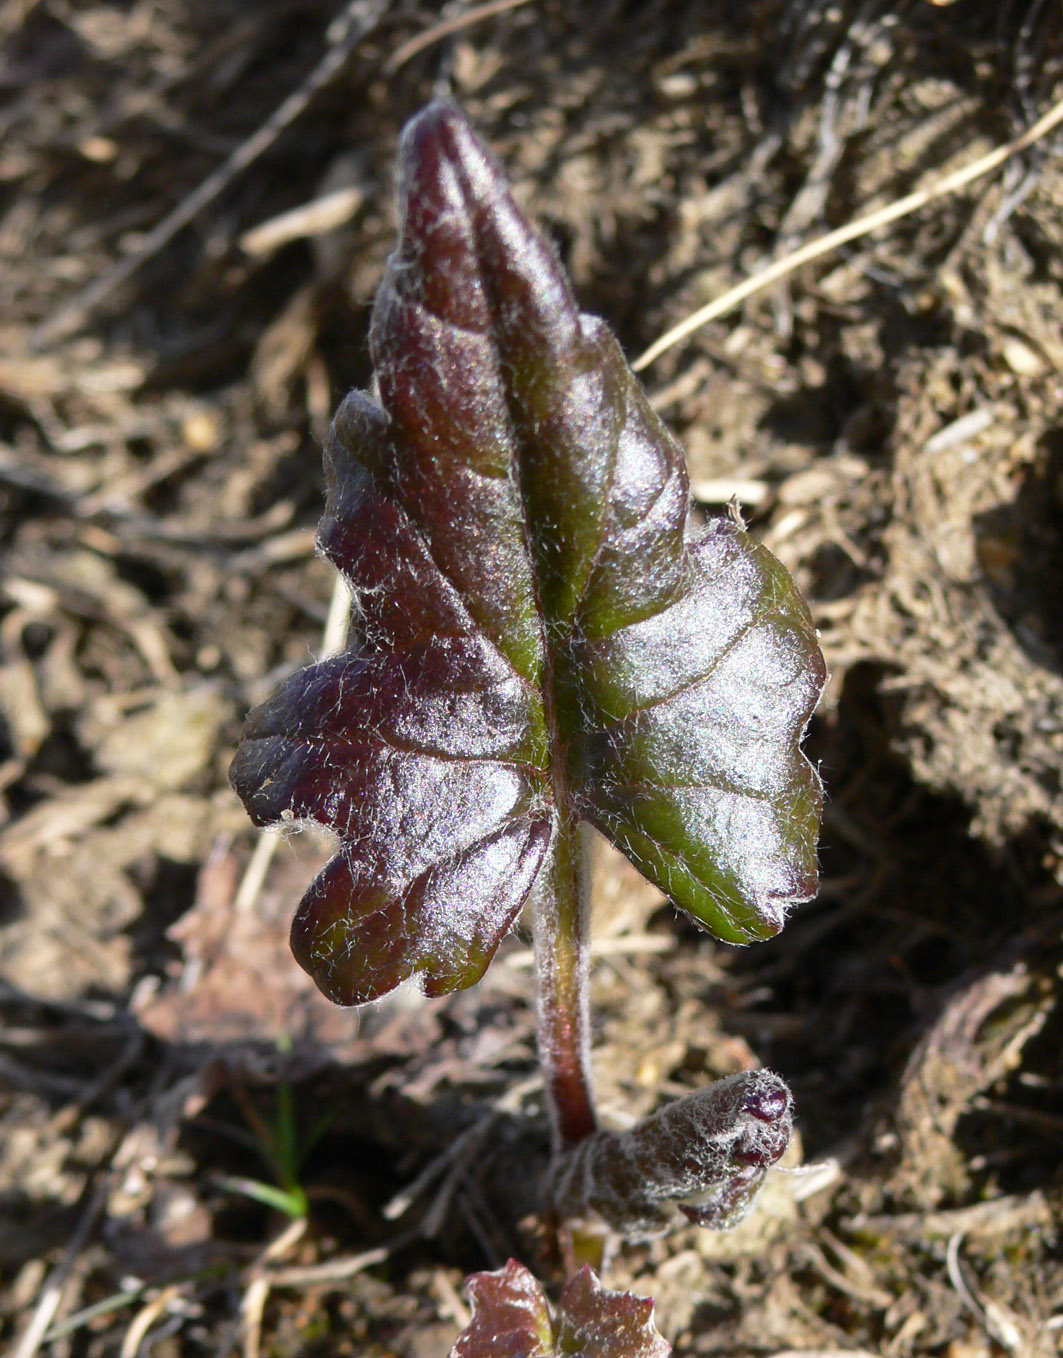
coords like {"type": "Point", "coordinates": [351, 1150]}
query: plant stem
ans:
{"type": "Point", "coordinates": [561, 929]}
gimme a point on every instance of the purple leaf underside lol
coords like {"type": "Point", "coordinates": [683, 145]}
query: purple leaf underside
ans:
{"type": "Point", "coordinates": [539, 628]}
{"type": "Point", "coordinates": [511, 1319]}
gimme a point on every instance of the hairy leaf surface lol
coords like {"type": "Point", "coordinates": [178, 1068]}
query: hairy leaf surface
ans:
{"type": "Point", "coordinates": [540, 628]}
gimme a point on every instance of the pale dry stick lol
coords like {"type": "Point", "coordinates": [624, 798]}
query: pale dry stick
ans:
{"type": "Point", "coordinates": [997, 1323]}
{"type": "Point", "coordinates": [362, 17]}
{"type": "Point", "coordinates": [780, 268]}
{"type": "Point", "coordinates": [303, 222]}
{"type": "Point", "coordinates": [145, 1319]}
{"type": "Point", "coordinates": [52, 1292]}
{"type": "Point", "coordinates": [826, 1353]}
{"type": "Point", "coordinates": [253, 1304]}
{"type": "Point", "coordinates": [337, 621]}
{"type": "Point", "coordinates": [247, 893]}
{"type": "Point", "coordinates": [451, 1305]}
{"type": "Point", "coordinates": [252, 1308]}
{"type": "Point", "coordinates": [333, 639]}
{"type": "Point", "coordinates": [439, 31]}
{"type": "Point", "coordinates": [624, 945]}
{"type": "Point", "coordinates": [333, 1270]}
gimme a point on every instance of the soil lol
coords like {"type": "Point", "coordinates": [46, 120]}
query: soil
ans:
{"type": "Point", "coordinates": [891, 418]}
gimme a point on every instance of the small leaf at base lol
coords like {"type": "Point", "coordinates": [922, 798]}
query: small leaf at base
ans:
{"type": "Point", "coordinates": [511, 1319]}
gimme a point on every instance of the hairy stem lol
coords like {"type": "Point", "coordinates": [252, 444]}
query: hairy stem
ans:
{"type": "Point", "coordinates": [702, 1157]}
{"type": "Point", "coordinates": [561, 928]}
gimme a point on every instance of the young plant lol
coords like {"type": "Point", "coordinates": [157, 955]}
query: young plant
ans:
{"type": "Point", "coordinates": [542, 637]}
{"type": "Point", "coordinates": [511, 1319]}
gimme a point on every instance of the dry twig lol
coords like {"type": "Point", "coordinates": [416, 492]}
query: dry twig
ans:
{"type": "Point", "coordinates": [903, 207]}
{"type": "Point", "coordinates": [359, 19]}
{"type": "Point", "coordinates": [439, 31]}
{"type": "Point", "coordinates": [51, 1293]}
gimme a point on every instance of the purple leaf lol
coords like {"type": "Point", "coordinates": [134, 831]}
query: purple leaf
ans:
{"type": "Point", "coordinates": [540, 632]}
{"type": "Point", "coordinates": [511, 1319]}
{"type": "Point", "coordinates": [594, 1323]}
{"type": "Point", "coordinates": [510, 1316]}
